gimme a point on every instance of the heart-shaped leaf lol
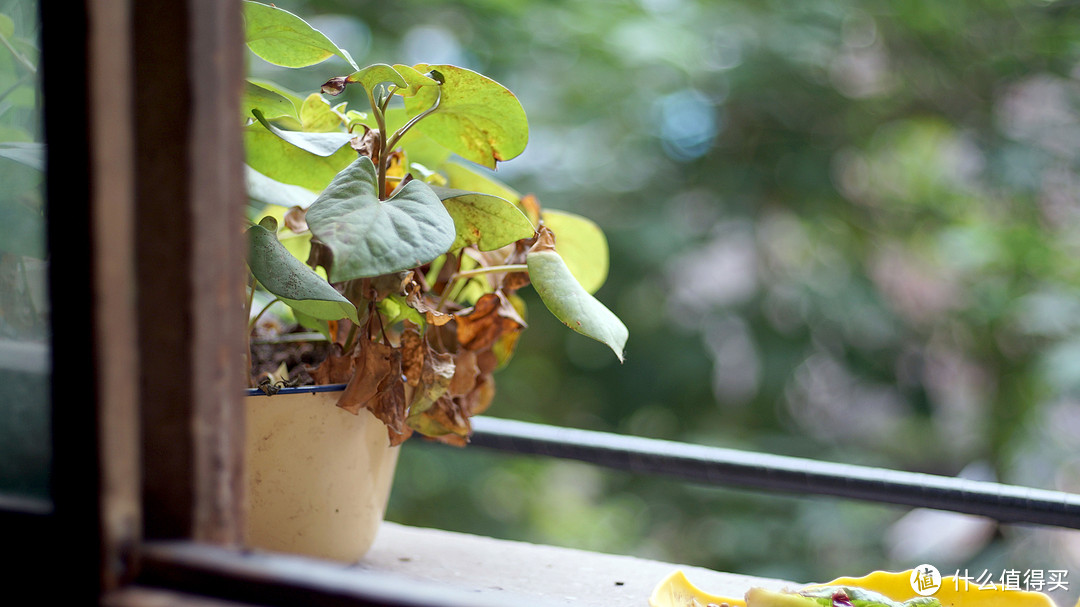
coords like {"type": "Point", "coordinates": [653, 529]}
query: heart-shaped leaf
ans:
{"type": "Point", "coordinates": [290, 280]}
{"type": "Point", "coordinates": [582, 245]}
{"type": "Point", "coordinates": [368, 236]}
{"type": "Point", "coordinates": [568, 300]}
{"type": "Point", "coordinates": [282, 38]}
{"type": "Point", "coordinates": [478, 118]}
{"type": "Point", "coordinates": [487, 221]}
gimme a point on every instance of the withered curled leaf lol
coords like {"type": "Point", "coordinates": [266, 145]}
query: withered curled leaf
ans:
{"type": "Point", "coordinates": [421, 304]}
{"type": "Point", "coordinates": [412, 354]}
{"type": "Point", "coordinates": [374, 363]}
{"type": "Point", "coordinates": [335, 86]}
{"type": "Point", "coordinates": [465, 374]}
{"type": "Point", "coordinates": [337, 368]}
{"type": "Point", "coordinates": [490, 318]}
{"type": "Point", "coordinates": [295, 220]}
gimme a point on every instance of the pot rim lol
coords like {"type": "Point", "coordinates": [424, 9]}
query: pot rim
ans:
{"type": "Point", "coordinates": [297, 390]}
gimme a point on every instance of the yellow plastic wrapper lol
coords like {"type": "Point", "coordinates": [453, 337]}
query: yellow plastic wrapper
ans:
{"type": "Point", "coordinates": [677, 591]}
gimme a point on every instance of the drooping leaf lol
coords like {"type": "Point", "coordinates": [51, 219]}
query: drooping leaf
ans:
{"type": "Point", "coordinates": [290, 280]}
{"type": "Point", "coordinates": [320, 144]}
{"type": "Point", "coordinates": [478, 118]}
{"type": "Point", "coordinates": [444, 421]}
{"type": "Point", "coordinates": [271, 191]}
{"type": "Point", "coordinates": [568, 300]}
{"type": "Point", "coordinates": [368, 236]}
{"type": "Point", "coordinates": [282, 38]}
{"type": "Point", "coordinates": [582, 245]}
{"type": "Point", "coordinates": [272, 104]}
{"type": "Point", "coordinates": [435, 375]}
{"type": "Point", "coordinates": [284, 162]}
{"type": "Point", "coordinates": [487, 221]}
{"type": "Point", "coordinates": [377, 386]}
{"type": "Point", "coordinates": [28, 154]}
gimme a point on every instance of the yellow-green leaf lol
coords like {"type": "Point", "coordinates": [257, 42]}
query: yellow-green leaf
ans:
{"type": "Point", "coordinates": [282, 38]}
{"type": "Point", "coordinates": [477, 118]}
{"type": "Point", "coordinates": [568, 300]}
{"type": "Point", "coordinates": [582, 245]}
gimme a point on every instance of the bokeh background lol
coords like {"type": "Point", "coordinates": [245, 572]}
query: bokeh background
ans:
{"type": "Point", "coordinates": [842, 230]}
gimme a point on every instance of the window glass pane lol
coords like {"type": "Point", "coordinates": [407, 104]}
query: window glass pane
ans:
{"type": "Point", "coordinates": [24, 303]}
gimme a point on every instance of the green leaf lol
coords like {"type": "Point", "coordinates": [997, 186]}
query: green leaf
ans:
{"type": "Point", "coordinates": [463, 177]}
{"type": "Point", "coordinates": [282, 161]}
{"type": "Point", "coordinates": [418, 146]}
{"type": "Point", "coordinates": [28, 154]}
{"type": "Point", "coordinates": [282, 38]}
{"type": "Point", "coordinates": [487, 221]}
{"type": "Point", "coordinates": [368, 236]}
{"type": "Point", "coordinates": [318, 117]}
{"type": "Point", "coordinates": [271, 104]}
{"type": "Point", "coordinates": [415, 80]}
{"type": "Point", "coordinates": [568, 300]}
{"type": "Point", "coordinates": [582, 245]}
{"type": "Point", "coordinates": [395, 309]}
{"type": "Point", "coordinates": [405, 79]}
{"type": "Point", "coordinates": [373, 75]}
{"type": "Point", "coordinates": [7, 27]}
{"type": "Point", "coordinates": [22, 229]}
{"type": "Point", "coordinates": [271, 191]}
{"type": "Point", "coordinates": [320, 144]}
{"type": "Point", "coordinates": [478, 118]}
{"type": "Point", "coordinates": [315, 324]}
{"type": "Point", "coordinates": [290, 280]}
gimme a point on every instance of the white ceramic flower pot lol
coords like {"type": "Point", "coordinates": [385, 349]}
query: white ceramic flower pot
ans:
{"type": "Point", "coordinates": [318, 477]}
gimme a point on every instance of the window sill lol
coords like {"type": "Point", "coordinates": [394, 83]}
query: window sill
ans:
{"type": "Point", "coordinates": [553, 575]}
{"type": "Point", "coordinates": [410, 566]}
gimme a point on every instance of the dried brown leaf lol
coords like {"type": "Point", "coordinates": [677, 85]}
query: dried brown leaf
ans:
{"type": "Point", "coordinates": [490, 318]}
{"type": "Point", "coordinates": [296, 220]}
{"type": "Point", "coordinates": [479, 399]}
{"type": "Point", "coordinates": [375, 362]}
{"type": "Point", "coordinates": [367, 144]}
{"type": "Point", "coordinates": [465, 374]}
{"type": "Point", "coordinates": [337, 368]}
{"type": "Point", "coordinates": [412, 354]}
{"type": "Point", "coordinates": [423, 305]}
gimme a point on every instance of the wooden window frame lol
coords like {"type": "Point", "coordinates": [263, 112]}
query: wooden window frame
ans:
{"type": "Point", "coordinates": [145, 199]}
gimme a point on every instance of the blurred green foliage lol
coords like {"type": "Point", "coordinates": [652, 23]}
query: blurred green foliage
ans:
{"type": "Point", "coordinates": [844, 230]}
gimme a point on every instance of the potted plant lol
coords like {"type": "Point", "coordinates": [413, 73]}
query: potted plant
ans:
{"type": "Point", "coordinates": [378, 231]}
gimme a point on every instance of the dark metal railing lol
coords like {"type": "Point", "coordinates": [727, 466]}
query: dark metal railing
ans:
{"type": "Point", "coordinates": [735, 468]}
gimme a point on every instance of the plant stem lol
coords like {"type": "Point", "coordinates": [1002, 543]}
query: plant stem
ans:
{"type": "Point", "coordinates": [411, 123]}
{"type": "Point", "coordinates": [519, 267]}
{"type": "Point", "coordinates": [26, 63]}
{"type": "Point", "coordinates": [251, 323]}
{"type": "Point", "coordinates": [381, 165]}
{"type": "Point", "coordinates": [247, 314]}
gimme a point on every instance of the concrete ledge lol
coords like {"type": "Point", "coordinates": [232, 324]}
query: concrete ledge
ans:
{"type": "Point", "coordinates": [551, 574]}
